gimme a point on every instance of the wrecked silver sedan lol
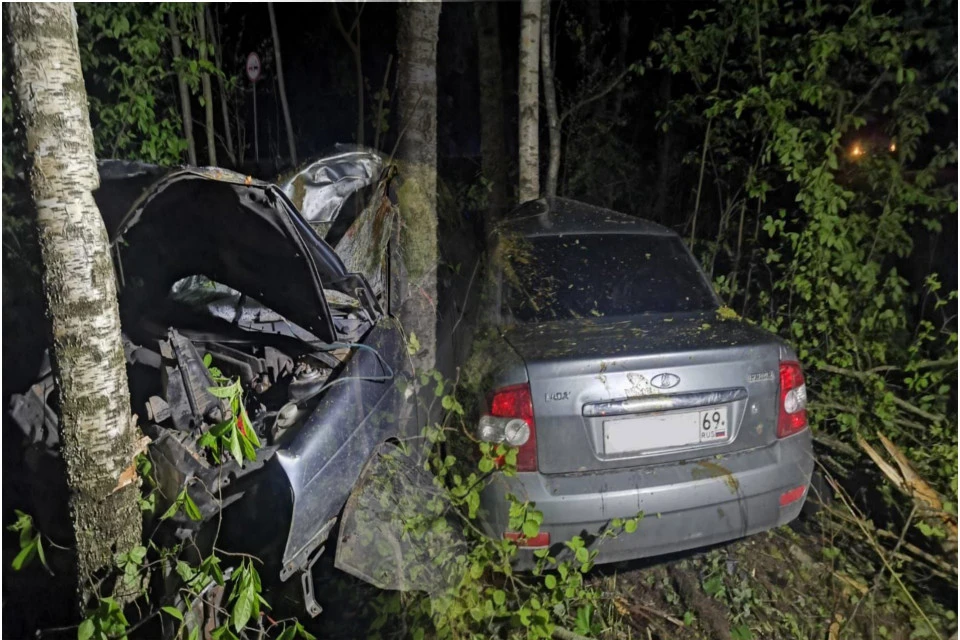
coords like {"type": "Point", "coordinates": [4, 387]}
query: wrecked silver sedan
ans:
{"type": "Point", "coordinates": [263, 363]}
{"type": "Point", "coordinates": [627, 388]}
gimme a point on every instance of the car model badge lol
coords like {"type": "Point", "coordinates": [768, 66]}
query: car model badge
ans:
{"type": "Point", "coordinates": [665, 381]}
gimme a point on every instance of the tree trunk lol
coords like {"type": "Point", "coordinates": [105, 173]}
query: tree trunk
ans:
{"type": "Point", "coordinates": [283, 90]}
{"type": "Point", "coordinates": [224, 109]}
{"type": "Point", "coordinates": [664, 157]}
{"type": "Point", "coordinates": [357, 63]}
{"type": "Point", "coordinates": [418, 26]}
{"type": "Point", "coordinates": [622, 61]}
{"type": "Point", "coordinates": [185, 111]}
{"type": "Point", "coordinates": [207, 90]}
{"type": "Point", "coordinates": [98, 436]}
{"type": "Point", "coordinates": [528, 91]}
{"type": "Point", "coordinates": [493, 146]}
{"type": "Point", "coordinates": [550, 97]}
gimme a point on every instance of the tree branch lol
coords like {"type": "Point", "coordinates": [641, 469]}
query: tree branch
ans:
{"type": "Point", "coordinates": [610, 87]}
{"type": "Point", "coordinates": [865, 375]}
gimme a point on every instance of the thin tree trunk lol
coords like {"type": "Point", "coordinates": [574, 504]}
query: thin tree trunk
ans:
{"type": "Point", "coordinates": [207, 89]}
{"type": "Point", "coordinates": [224, 110]}
{"type": "Point", "coordinates": [186, 112]}
{"type": "Point", "coordinates": [418, 26]}
{"type": "Point", "coordinates": [283, 90]}
{"type": "Point", "coordinates": [383, 93]}
{"type": "Point", "coordinates": [664, 155]}
{"type": "Point", "coordinates": [98, 436]}
{"type": "Point", "coordinates": [550, 98]}
{"type": "Point", "coordinates": [493, 146]}
{"type": "Point", "coordinates": [622, 61]}
{"type": "Point", "coordinates": [357, 63]}
{"type": "Point", "coordinates": [528, 91]}
{"type": "Point", "coordinates": [703, 155]}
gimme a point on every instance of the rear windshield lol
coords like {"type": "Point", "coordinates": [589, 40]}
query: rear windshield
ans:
{"type": "Point", "coordinates": [603, 275]}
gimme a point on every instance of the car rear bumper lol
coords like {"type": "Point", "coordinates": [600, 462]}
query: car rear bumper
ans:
{"type": "Point", "coordinates": [686, 505]}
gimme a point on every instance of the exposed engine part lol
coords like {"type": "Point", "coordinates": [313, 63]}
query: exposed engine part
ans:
{"type": "Point", "coordinates": [186, 380]}
{"type": "Point", "coordinates": [287, 416]}
{"type": "Point", "coordinates": [306, 381]}
{"type": "Point", "coordinates": [157, 409]}
{"type": "Point", "coordinates": [135, 354]}
{"type": "Point", "coordinates": [210, 487]}
{"type": "Point", "coordinates": [258, 373]}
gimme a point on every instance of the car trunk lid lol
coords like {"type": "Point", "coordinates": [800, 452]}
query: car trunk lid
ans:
{"type": "Point", "coordinates": [610, 394]}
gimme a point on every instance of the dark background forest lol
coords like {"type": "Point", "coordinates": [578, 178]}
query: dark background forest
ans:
{"type": "Point", "coordinates": [806, 151]}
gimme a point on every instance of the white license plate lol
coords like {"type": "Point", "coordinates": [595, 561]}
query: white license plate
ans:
{"type": "Point", "coordinates": [666, 431]}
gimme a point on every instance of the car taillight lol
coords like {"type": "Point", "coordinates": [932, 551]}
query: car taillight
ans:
{"type": "Point", "coordinates": [538, 541]}
{"type": "Point", "coordinates": [793, 400]}
{"type": "Point", "coordinates": [511, 421]}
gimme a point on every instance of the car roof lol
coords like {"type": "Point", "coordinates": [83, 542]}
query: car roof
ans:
{"type": "Point", "coordinates": [560, 216]}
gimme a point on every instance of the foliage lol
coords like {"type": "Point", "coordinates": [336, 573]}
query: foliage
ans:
{"type": "Point", "coordinates": [820, 132]}
{"type": "Point", "coordinates": [234, 434]}
{"type": "Point", "coordinates": [484, 596]}
{"type": "Point", "coordinates": [31, 544]}
{"type": "Point", "coordinates": [127, 71]}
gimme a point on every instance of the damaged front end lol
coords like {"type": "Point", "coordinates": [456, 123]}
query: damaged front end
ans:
{"type": "Point", "coordinates": [224, 282]}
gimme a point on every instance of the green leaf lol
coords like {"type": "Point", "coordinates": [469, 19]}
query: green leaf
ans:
{"type": "Point", "coordinates": [173, 612]}
{"type": "Point", "coordinates": [190, 508]}
{"type": "Point", "coordinates": [25, 556]}
{"type": "Point", "coordinates": [630, 526]}
{"type": "Point", "coordinates": [303, 633]}
{"type": "Point", "coordinates": [225, 392]}
{"type": "Point", "coordinates": [85, 630]}
{"type": "Point", "coordinates": [741, 632]}
{"type": "Point", "coordinates": [530, 528]}
{"type": "Point", "coordinates": [550, 580]}
{"type": "Point", "coordinates": [235, 449]}
{"type": "Point", "coordinates": [242, 609]}
{"type": "Point", "coordinates": [582, 554]}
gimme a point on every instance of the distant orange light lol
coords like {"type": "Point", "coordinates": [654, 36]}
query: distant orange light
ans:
{"type": "Point", "coordinates": [893, 147]}
{"type": "Point", "coordinates": [856, 150]}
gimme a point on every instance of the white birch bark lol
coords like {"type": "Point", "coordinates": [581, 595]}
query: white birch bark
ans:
{"type": "Point", "coordinates": [528, 91]}
{"type": "Point", "coordinates": [97, 434]}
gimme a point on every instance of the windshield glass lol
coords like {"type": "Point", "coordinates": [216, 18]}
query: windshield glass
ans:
{"type": "Point", "coordinates": [600, 275]}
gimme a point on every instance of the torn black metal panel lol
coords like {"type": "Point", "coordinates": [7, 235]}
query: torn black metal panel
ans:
{"type": "Point", "coordinates": [325, 457]}
{"type": "Point", "coordinates": [188, 225]}
{"type": "Point", "coordinates": [122, 182]}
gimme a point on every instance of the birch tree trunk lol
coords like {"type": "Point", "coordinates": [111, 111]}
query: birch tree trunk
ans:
{"type": "Point", "coordinates": [283, 91]}
{"type": "Point", "coordinates": [97, 434]}
{"type": "Point", "coordinates": [224, 109]}
{"type": "Point", "coordinates": [186, 112]}
{"type": "Point", "coordinates": [207, 89]}
{"type": "Point", "coordinates": [550, 98]}
{"type": "Point", "coordinates": [528, 91]}
{"type": "Point", "coordinates": [493, 147]}
{"type": "Point", "coordinates": [418, 27]}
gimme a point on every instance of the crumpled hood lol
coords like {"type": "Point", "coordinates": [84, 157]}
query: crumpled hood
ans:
{"type": "Point", "coordinates": [239, 231]}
